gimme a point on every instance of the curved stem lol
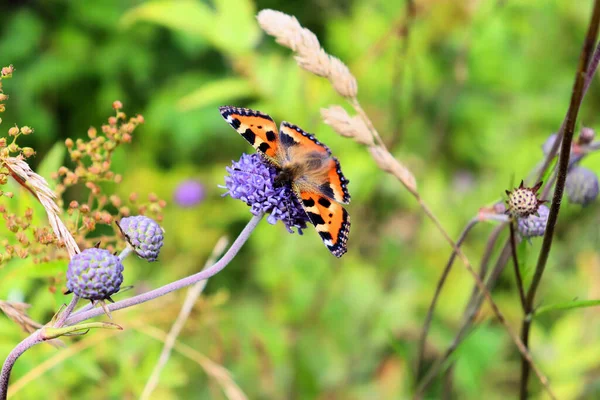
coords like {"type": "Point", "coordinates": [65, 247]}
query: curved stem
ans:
{"type": "Point", "coordinates": [472, 307]}
{"type": "Point", "coordinates": [579, 87]}
{"type": "Point", "coordinates": [21, 348]}
{"type": "Point", "coordinates": [190, 300]}
{"type": "Point", "coordinates": [499, 315]}
{"type": "Point", "coordinates": [436, 295]}
{"type": "Point", "coordinates": [187, 281]}
{"type": "Point", "coordinates": [37, 337]}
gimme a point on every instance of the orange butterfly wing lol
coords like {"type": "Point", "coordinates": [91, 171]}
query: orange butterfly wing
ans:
{"type": "Point", "coordinates": [321, 197]}
{"type": "Point", "coordinates": [330, 219]}
{"type": "Point", "coordinates": [257, 128]}
{"type": "Point", "coordinates": [336, 184]}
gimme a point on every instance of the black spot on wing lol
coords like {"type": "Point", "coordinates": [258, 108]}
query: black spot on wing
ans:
{"type": "Point", "coordinates": [264, 146]}
{"type": "Point", "coordinates": [339, 247]}
{"type": "Point", "coordinates": [326, 190]}
{"type": "Point", "coordinates": [344, 182]}
{"type": "Point", "coordinates": [316, 219]}
{"type": "Point", "coordinates": [310, 137]}
{"type": "Point", "coordinates": [235, 123]}
{"type": "Point", "coordinates": [249, 136]}
{"type": "Point", "coordinates": [286, 140]}
{"type": "Point", "coordinates": [324, 202]}
{"type": "Point", "coordinates": [270, 136]}
{"type": "Point", "coordinates": [325, 235]}
{"type": "Point", "coordinates": [308, 202]}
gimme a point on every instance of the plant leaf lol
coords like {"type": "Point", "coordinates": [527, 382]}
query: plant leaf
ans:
{"type": "Point", "coordinates": [188, 16]}
{"type": "Point", "coordinates": [566, 306]}
{"type": "Point", "coordinates": [219, 91]}
{"type": "Point", "coordinates": [53, 333]}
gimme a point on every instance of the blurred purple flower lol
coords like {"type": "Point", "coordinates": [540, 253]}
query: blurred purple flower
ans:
{"type": "Point", "coordinates": [189, 193]}
{"type": "Point", "coordinates": [547, 146]}
{"type": "Point", "coordinates": [251, 179]}
{"type": "Point", "coordinates": [534, 225]}
{"type": "Point", "coordinates": [581, 186]}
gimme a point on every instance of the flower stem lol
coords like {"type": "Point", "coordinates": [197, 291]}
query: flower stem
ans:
{"type": "Point", "coordinates": [436, 295]}
{"type": "Point", "coordinates": [579, 87]}
{"type": "Point", "coordinates": [513, 248]}
{"type": "Point", "coordinates": [187, 281]}
{"type": "Point", "coordinates": [37, 337]}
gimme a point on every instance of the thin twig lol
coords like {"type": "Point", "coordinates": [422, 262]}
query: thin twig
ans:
{"type": "Point", "coordinates": [471, 312]}
{"type": "Point", "coordinates": [436, 295]}
{"type": "Point", "coordinates": [476, 301]}
{"type": "Point", "coordinates": [38, 337]}
{"type": "Point", "coordinates": [412, 189]}
{"type": "Point", "coordinates": [171, 287]}
{"type": "Point", "coordinates": [190, 299]}
{"type": "Point", "coordinates": [219, 373]}
{"type": "Point", "coordinates": [522, 349]}
{"type": "Point", "coordinates": [513, 248]}
{"type": "Point", "coordinates": [579, 87]}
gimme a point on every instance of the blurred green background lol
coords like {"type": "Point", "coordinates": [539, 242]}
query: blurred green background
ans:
{"type": "Point", "coordinates": [464, 93]}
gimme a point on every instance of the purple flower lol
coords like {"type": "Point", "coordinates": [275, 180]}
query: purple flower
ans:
{"type": "Point", "coordinates": [143, 234]}
{"type": "Point", "coordinates": [534, 225]}
{"type": "Point", "coordinates": [94, 274]}
{"type": "Point", "coordinates": [581, 186]}
{"type": "Point", "coordinates": [251, 179]}
{"type": "Point", "coordinates": [189, 193]}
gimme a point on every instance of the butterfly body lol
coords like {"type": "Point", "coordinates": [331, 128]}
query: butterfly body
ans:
{"type": "Point", "coordinates": [305, 164]}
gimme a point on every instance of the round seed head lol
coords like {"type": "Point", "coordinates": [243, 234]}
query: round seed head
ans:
{"type": "Point", "coordinates": [523, 201]}
{"type": "Point", "coordinates": [143, 234]}
{"type": "Point", "coordinates": [534, 225]}
{"type": "Point", "coordinates": [581, 186]}
{"type": "Point", "coordinates": [94, 274]}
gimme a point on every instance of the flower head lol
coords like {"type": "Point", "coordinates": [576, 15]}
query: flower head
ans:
{"type": "Point", "coordinates": [94, 274]}
{"type": "Point", "coordinates": [189, 193]}
{"type": "Point", "coordinates": [252, 180]}
{"type": "Point", "coordinates": [523, 201]}
{"type": "Point", "coordinates": [534, 225]}
{"type": "Point", "coordinates": [143, 234]}
{"type": "Point", "coordinates": [581, 185]}
{"type": "Point", "coordinates": [586, 136]}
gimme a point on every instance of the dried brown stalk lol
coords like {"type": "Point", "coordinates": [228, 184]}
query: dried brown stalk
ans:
{"type": "Point", "coordinates": [311, 57]}
{"type": "Point", "coordinates": [38, 186]}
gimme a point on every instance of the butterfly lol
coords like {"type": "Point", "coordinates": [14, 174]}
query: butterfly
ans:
{"type": "Point", "coordinates": [304, 163]}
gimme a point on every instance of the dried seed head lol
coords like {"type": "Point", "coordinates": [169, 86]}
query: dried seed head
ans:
{"type": "Point", "coordinates": [523, 201]}
{"type": "Point", "coordinates": [309, 54]}
{"type": "Point", "coordinates": [345, 125]}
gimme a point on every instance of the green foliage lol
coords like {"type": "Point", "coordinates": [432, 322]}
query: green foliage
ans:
{"type": "Point", "coordinates": [465, 95]}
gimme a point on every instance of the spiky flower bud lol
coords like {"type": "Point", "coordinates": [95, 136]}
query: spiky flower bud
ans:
{"type": "Point", "coordinates": [523, 201]}
{"type": "Point", "coordinates": [94, 274]}
{"type": "Point", "coordinates": [143, 234]}
{"type": "Point", "coordinates": [581, 186]}
{"type": "Point", "coordinates": [534, 225]}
